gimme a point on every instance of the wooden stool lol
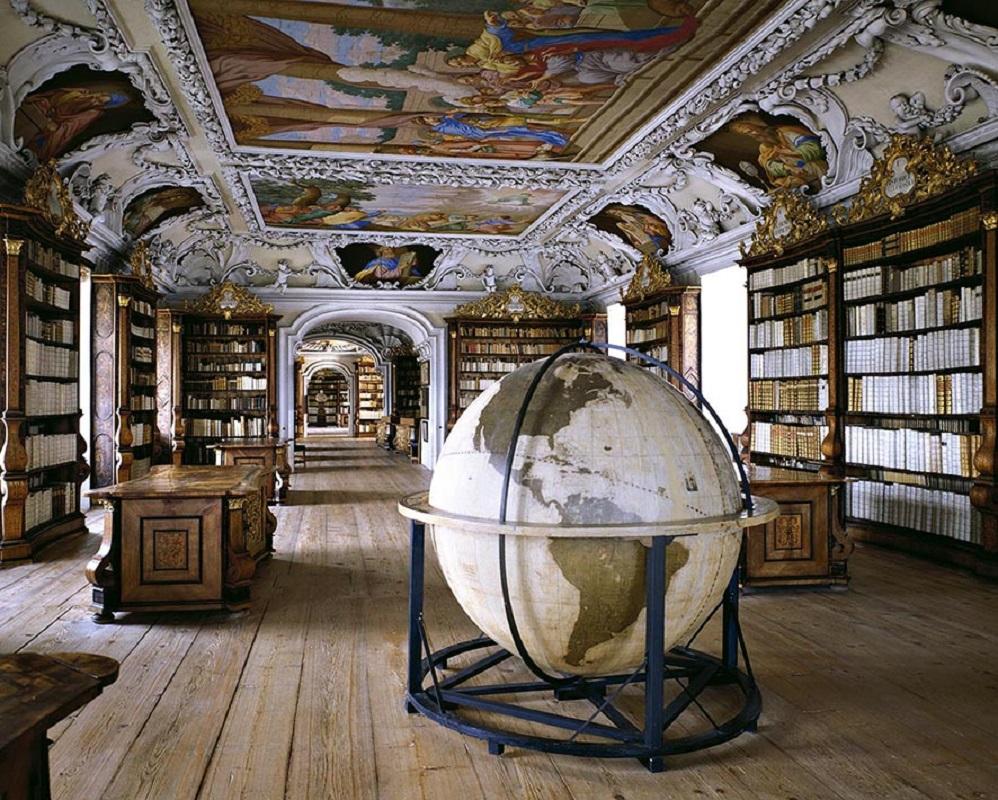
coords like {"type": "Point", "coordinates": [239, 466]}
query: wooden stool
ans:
{"type": "Point", "coordinates": [36, 691]}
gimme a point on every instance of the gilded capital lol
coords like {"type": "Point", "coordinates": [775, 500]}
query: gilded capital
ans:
{"type": "Point", "coordinates": [236, 503]}
{"type": "Point", "coordinates": [13, 246]}
{"type": "Point", "coordinates": [124, 300]}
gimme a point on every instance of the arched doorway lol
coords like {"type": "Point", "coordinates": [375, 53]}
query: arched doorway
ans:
{"type": "Point", "coordinates": [327, 403]}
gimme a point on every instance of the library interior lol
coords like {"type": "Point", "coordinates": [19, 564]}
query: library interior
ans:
{"type": "Point", "coordinates": [544, 399]}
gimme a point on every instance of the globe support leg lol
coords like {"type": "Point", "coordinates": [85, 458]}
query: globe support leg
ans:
{"type": "Point", "coordinates": [417, 573]}
{"type": "Point", "coordinates": [655, 649]}
{"type": "Point", "coordinates": [729, 623]}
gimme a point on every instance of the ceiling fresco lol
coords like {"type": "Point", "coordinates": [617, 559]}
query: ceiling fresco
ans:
{"type": "Point", "coordinates": [357, 206]}
{"type": "Point", "coordinates": [157, 205]}
{"type": "Point", "coordinates": [636, 225]}
{"type": "Point", "coordinates": [376, 265]}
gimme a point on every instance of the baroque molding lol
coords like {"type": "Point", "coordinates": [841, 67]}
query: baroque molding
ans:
{"type": "Point", "coordinates": [515, 304]}
{"type": "Point", "coordinates": [649, 279]}
{"type": "Point", "coordinates": [789, 219]}
{"type": "Point", "coordinates": [228, 300]}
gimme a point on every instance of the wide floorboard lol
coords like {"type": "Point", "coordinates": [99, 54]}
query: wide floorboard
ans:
{"type": "Point", "coordinates": [887, 690]}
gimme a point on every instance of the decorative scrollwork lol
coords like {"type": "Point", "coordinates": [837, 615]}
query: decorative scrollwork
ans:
{"type": "Point", "coordinates": [515, 304]}
{"type": "Point", "coordinates": [141, 264]}
{"type": "Point", "coordinates": [650, 278]}
{"type": "Point", "coordinates": [48, 193]}
{"type": "Point", "coordinates": [909, 171]}
{"type": "Point", "coordinates": [790, 218]}
{"type": "Point", "coordinates": [229, 300]}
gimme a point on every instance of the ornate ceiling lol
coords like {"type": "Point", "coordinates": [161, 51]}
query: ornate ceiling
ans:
{"type": "Point", "coordinates": [412, 146]}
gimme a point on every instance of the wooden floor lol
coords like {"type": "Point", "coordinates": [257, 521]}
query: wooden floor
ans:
{"type": "Point", "coordinates": [889, 690]}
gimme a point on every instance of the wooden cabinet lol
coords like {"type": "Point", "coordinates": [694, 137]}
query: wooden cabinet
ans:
{"type": "Point", "coordinates": [41, 450]}
{"type": "Point", "coordinates": [271, 454]}
{"type": "Point", "coordinates": [181, 537]}
{"type": "Point", "coordinates": [124, 378]}
{"type": "Point", "coordinates": [806, 545]}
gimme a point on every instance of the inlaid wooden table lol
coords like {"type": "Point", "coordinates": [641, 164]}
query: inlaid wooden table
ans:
{"type": "Point", "coordinates": [259, 451]}
{"type": "Point", "coordinates": [181, 537]}
{"type": "Point", "coordinates": [36, 691]}
{"type": "Point", "coordinates": [807, 544]}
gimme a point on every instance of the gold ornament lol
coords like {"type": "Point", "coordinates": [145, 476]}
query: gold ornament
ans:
{"type": "Point", "coordinates": [48, 193]}
{"type": "Point", "coordinates": [909, 171]}
{"type": "Point", "coordinates": [515, 304]}
{"type": "Point", "coordinates": [142, 265]}
{"type": "Point", "coordinates": [650, 278]}
{"type": "Point", "coordinates": [13, 246]}
{"type": "Point", "coordinates": [229, 300]}
{"type": "Point", "coordinates": [790, 218]}
{"type": "Point", "coordinates": [990, 220]}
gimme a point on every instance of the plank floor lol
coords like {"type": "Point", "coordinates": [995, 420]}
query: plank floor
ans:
{"type": "Point", "coordinates": [888, 690]}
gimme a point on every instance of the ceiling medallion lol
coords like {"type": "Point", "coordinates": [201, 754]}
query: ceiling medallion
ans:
{"type": "Point", "coordinates": [788, 219]}
{"type": "Point", "coordinates": [228, 300]}
{"type": "Point", "coordinates": [909, 171]}
{"type": "Point", "coordinates": [515, 304]}
{"type": "Point", "coordinates": [650, 278]}
{"type": "Point", "coordinates": [48, 193]}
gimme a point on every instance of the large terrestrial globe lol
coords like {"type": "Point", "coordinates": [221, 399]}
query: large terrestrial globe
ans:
{"type": "Point", "coordinates": [604, 441]}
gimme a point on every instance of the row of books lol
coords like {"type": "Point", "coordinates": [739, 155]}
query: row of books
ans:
{"type": "Point", "coordinates": [52, 260]}
{"type": "Point", "coordinates": [913, 450]}
{"type": "Point", "coordinates": [49, 503]}
{"type": "Point", "coordinates": [46, 450]}
{"type": "Point", "coordinates": [224, 329]}
{"type": "Point", "coordinates": [777, 276]}
{"type": "Point", "coordinates": [486, 365]}
{"type": "Point", "coordinates": [508, 349]}
{"type": "Point", "coordinates": [953, 393]}
{"type": "Point", "coordinates": [809, 394]}
{"type": "Point", "coordinates": [48, 293]}
{"type": "Point", "coordinates": [944, 513]}
{"type": "Point", "coordinates": [518, 332]}
{"type": "Point", "coordinates": [657, 351]}
{"type": "Point", "coordinates": [142, 402]}
{"type": "Point", "coordinates": [139, 376]}
{"type": "Point", "coordinates": [808, 297]}
{"type": "Point", "coordinates": [798, 362]}
{"type": "Point", "coordinates": [241, 384]}
{"type": "Point", "coordinates": [804, 329]}
{"type": "Point", "coordinates": [934, 309]}
{"type": "Point", "coordinates": [44, 360]}
{"type": "Point", "coordinates": [238, 426]}
{"type": "Point", "coordinates": [793, 441]}
{"type": "Point", "coordinates": [872, 281]}
{"type": "Point", "coordinates": [207, 365]}
{"type": "Point", "coordinates": [44, 398]}
{"type": "Point", "coordinates": [660, 330]}
{"type": "Point", "coordinates": [235, 346]}
{"type": "Point", "coordinates": [245, 403]}
{"type": "Point", "coordinates": [475, 384]}
{"type": "Point", "coordinates": [141, 434]}
{"type": "Point", "coordinates": [960, 224]}
{"type": "Point", "coordinates": [142, 354]}
{"type": "Point", "coordinates": [944, 349]}
{"type": "Point", "coordinates": [142, 307]}
{"type": "Point", "coordinates": [662, 308]}
{"type": "Point", "coordinates": [60, 331]}
{"type": "Point", "coordinates": [143, 331]}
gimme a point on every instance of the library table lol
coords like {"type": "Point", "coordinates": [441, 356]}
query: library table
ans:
{"type": "Point", "coordinates": [181, 537]}
{"type": "Point", "coordinates": [807, 544]}
{"type": "Point", "coordinates": [36, 691]}
{"type": "Point", "coordinates": [259, 451]}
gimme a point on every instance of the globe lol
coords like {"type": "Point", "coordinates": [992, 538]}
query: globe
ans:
{"type": "Point", "coordinates": [604, 442]}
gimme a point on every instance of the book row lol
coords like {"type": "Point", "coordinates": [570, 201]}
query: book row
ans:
{"type": "Point", "coordinates": [916, 451]}
{"type": "Point", "coordinates": [475, 384]}
{"type": "Point", "coordinates": [249, 346]}
{"type": "Point", "coordinates": [504, 349]}
{"type": "Point", "coordinates": [142, 354]}
{"type": "Point", "coordinates": [52, 260]}
{"type": "Point", "coordinates": [206, 365]}
{"type": "Point", "coordinates": [934, 309]}
{"type": "Point", "coordinates": [518, 332]}
{"type": "Point", "coordinates": [954, 393]}
{"type": "Point", "coordinates": [792, 441]}
{"type": "Point", "coordinates": [872, 281]}
{"type": "Point", "coordinates": [790, 332]}
{"type": "Point", "coordinates": [659, 352]}
{"type": "Point", "coordinates": [139, 376]}
{"type": "Point", "coordinates": [960, 224]}
{"type": "Point", "coordinates": [945, 349]}
{"type": "Point", "coordinates": [44, 292]}
{"type": "Point", "coordinates": [49, 503]}
{"type": "Point", "coordinates": [660, 330]}
{"type": "Point", "coordinates": [224, 329]}
{"type": "Point", "coordinates": [808, 297]}
{"type": "Point", "coordinates": [142, 402]}
{"type": "Point", "coordinates": [636, 316]}
{"type": "Point", "coordinates": [50, 449]}
{"type": "Point", "coordinates": [239, 426]}
{"type": "Point", "coordinates": [241, 384]}
{"type": "Point", "coordinates": [142, 307]}
{"type": "Point", "coordinates": [60, 331]}
{"type": "Point", "coordinates": [141, 434]}
{"type": "Point", "coordinates": [247, 403]}
{"type": "Point", "coordinates": [789, 395]}
{"type": "Point", "coordinates": [143, 331]}
{"type": "Point", "coordinates": [798, 362]}
{"type": "Point", "coordinates": [943, 513]}
{"type": "Point", "coordinates": [777, 276]}
{"type": "Point", "coordinates": [43, 398]}
{"type": "Point", "coordinates": [46, 361]}
{"type": "Point", "coordinates": [487, 365]}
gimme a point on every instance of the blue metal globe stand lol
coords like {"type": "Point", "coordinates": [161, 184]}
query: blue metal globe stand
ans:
{"type": "Point", "coordinates": [442, 697]}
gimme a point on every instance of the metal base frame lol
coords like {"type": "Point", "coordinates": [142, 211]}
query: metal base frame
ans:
{"type": "Point", "coordinates": [442, 698]}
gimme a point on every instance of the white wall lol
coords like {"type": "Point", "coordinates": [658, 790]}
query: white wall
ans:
{"type": "Point", "coordinates": [724, 321]}
{"type": "Point", "coordinates": [616, 327]}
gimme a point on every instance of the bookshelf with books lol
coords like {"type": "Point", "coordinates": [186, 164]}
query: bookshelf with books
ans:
{"type": "Point", "coordinates": [124, 378]}
{"type": "Point", "coordinates": [405, 385]}
{"type": "Point", "coordinates": [228, 373]}
{"type": "Point", "coordinates": [491, 337]}
{"type": "Point", "coordinates": [41, 450]}
{"type": "Point", "coordinates": [328, 400]}
{"type": "Point", "coordinates": [370, 397]}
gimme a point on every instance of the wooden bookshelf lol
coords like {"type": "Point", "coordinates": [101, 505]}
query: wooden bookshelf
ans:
{"type": "Point", "coordinates": [41, 450]}
{"type": "Point", "coordinates": [405, 385]}
{"type": "Point", "coordinates": [370, 397]}
{"type": "Point", "coordinates": [663, 320]}
{"type": "Point", "coordinates": [123, 378]}
{"type": "Point", "coordinates": [227, 372]}
{"type": "Point", "coordinates": [328, 400]}
{"type": "Point", "coordinates": [491, 337]}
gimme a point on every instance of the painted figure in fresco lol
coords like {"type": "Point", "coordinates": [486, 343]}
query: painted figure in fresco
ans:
{"type": "Point", "coordinates": [643, 231]}
{"type": "Point", "coordinates": [309, 209]}
{"type": "Point", "coordinates": [494, 128]}
{"type": "Point", "coordinates": [390, 264]}
{"type": "Point", "coordinates": [790, 155]}
{"type": "Point", "coordinates": [60, 115]}
{"type": "Point", "coordinates": [156, 205]}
